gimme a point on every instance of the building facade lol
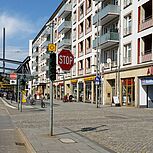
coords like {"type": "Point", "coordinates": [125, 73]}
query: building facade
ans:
{"type": "Point", "coordinates": [108, 38]}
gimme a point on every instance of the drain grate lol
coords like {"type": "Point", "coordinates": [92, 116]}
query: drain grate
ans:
{"type": "Point", "coordinates": [67, 140]}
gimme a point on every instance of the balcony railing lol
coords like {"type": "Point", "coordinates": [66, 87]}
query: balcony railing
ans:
{"type": "Point", "coordinates": [107, 14]}
{"type": "Point", "coordinates": [34, 63]}
{"type": "Point", "coordinates": [106, 40]}
{"type": "Point", "coordinates": [146, 56]}
{"type": "Point", "coordinates": [126, 60]}
{"type": "Point", "coordinates": [146, 23]}
{"type": "Point", "coordinates": [81, 53]}
{"type": "Point", "coordinates": [88, 70]}
{"type": "Point", "coordinates": [35, 54]}
{"type": "Point", "coordinates": [65, 10]}
{"type": "Point", "coordinates": [106, 65]}
{"type": "Point", "coordinates": [89, 50]}
{"type": "Point", "coordinates": [81, 35]}
{"type": "Point", "coordinates": [65, 42]}
{"type": "Point", "coordinates": [113, 63]}
{"type": "Point", "coordinates": [127, 31]}
{"type": "Point", "coordinates": [65, 26]}
{"type": "Point", "coordinates": [81, 72]}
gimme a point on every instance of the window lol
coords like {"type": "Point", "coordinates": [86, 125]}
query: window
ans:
{"type": "Point", "coordinates": [88, 63]}
{"type": "Point", "coordinates": [88, 41]}
{"type": "Point", "coordinates": [81, 65]}
{"type": "Point", "coordinates": [127, 54]}
{"type": "Point", "coordinates": [127, 24]}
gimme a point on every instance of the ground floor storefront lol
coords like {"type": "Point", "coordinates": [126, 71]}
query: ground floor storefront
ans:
{"type": "Point", "coordinates": [135, 87]}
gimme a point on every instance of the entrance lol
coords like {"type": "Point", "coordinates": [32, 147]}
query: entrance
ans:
{"type": "Point", "coordinates": [128, 92]}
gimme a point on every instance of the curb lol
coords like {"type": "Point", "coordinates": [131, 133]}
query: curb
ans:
{"type": "Point", "coordinates": [28, 145]}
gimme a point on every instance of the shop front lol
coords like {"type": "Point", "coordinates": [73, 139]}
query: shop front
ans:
{"type": "Point", "coordinates": [146, 92]}
{"type": "Point", "coordinates": [74, 89]}
{"type": "Point", "coordinates": [128, 92]}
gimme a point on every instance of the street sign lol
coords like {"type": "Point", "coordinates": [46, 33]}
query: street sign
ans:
{"type": "Point", "coordinates": [65, 60]}
{"type": "Point", "coordinates": [13, 76]}
{"type": "Point", "coordinates": [97, 80]}
{"type": "Point", "coordinates": [13, 82]}
{"type": "Point", "coordinates": [51, 47]}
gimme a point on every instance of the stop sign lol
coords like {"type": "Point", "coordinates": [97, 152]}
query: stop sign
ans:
{"type": "Point", "coordinates": [13, 76]}
{"type": "Point", "coordinates": [65, 60]}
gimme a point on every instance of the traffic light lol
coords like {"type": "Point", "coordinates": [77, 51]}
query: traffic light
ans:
{"type": "Point", "coordinates": [52, 66]}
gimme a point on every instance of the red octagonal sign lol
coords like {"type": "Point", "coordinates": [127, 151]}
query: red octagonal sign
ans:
{"type": "Point", "coordinates": [65, 60]}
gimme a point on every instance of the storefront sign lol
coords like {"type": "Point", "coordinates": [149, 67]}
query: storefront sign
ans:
{"type": "Point", "coordinates": [89, 78]}
{"type": "Point", "coordinates": [147, 81]}
{"type": "Point", "coordinates": [74, 81]}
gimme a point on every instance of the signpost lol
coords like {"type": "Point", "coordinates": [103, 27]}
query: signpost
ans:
{"type": "Point", "coordinates": [65, 60]}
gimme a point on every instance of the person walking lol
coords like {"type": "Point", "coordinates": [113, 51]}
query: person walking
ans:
{"type": "Point", "coordinates": [42, 102]}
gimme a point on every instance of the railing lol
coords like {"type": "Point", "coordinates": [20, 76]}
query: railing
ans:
{"type": "Point", "coordinates": [81, 72]}
{"type": "Point", "coordinates": [127, 31]}
{"type": "Point", "coordinates": [146, 23]}
{"type": "Point", "coordinates": [81, 35]}
{"type": "Point", "coordinates": [146, 56]}
{"type": "Point", "coordinates": [88, 30]}
{"type": "Point", "coordinates": [65, 8]}
{"type": "Point", "coordinates": [89, 50]}
{"type": "Point", "coordinates": [113, 63]}
{"type": "Point", "coordinates": [109, 9]}
{"type": "Point", "coordinates": [81, 53]}
{"type": "Point", "coordinates": [106, 65]}
{"type": "Point", "coordinates": [88, 70]}
{"type": "Point", "coordinates": [65, 25]}
{"type": "Point", "coordinates": [127, 3]}
{"type": "Point", "coordinates": [126, 60]}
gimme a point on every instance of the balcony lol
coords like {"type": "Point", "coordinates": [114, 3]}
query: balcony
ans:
{"type": "Point", "coordinates": [35, 54]}
{"type": "Point", "coordinates": [147, 23]}
{"type": "Point", "coordinates": [107, 14]}
{"type": "Point", "coordinates": [44, 68]}
{"type": "Point", "coordinates": [65, 26]}
{"type": "Point", "coordinates": [66, 42]}
{"type": "Point", "coordinates": [81, 53]}
{"type": "Point", "coordinates": [46, 33]}
{"type": "Point", "coordinates": [45, 44]}
{"type": "Point", "coordinates": [106, 40]}
{"type": "Point", "coordinates": [34, 64]}
{"type": "Point", "coordinates": [106, 65]}
{"type": "Point", "coordinates": [65, 10]}
{"type": "Point", "coordinates": [146, 57]}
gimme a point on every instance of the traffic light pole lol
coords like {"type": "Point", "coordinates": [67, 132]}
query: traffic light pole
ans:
{"type": "Point", "coordinates": [51, 108]}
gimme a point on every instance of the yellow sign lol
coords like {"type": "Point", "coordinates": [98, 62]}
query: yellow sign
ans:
{"type": "Point", "coordinates": [51, 47]}
{"type": "Point", "coordinates": [24, 96]}
{"type": "Point", "coordinates": [74, 81]}
{"type": "Point", "coordinates": [89, 78]}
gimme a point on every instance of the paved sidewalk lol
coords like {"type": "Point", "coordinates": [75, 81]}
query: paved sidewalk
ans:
{"type": "Point", "coordinates": [63, 141]}
{"type": "Point", "coordinates": [38, 140]}
{"type": "Point", "coordinates": [8, 134]}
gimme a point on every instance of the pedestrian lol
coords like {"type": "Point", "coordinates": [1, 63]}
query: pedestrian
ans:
{"type": "Point", "coordinates": [42, 102]}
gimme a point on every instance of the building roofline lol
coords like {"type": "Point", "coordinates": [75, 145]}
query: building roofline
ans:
{"type": "Point", "coordinates": [51, 18]}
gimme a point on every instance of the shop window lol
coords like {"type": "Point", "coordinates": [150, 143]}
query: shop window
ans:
{"type": "Point", "coordinates": [128, 92]}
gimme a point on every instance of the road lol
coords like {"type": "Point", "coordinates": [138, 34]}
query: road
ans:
{"type": "Point", "coordinates": [124, 130]}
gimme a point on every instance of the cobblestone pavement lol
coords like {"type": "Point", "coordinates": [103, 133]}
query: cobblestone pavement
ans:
{"type": "Point", "coordinates": [8, 135]}
{"type": "Point", "coordinates": [124, 130]}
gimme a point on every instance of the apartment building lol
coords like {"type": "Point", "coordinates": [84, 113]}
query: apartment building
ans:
{"type": "Point", "coordinates": [125, 43]}
{"type": "Point", "coordinates": [110, 38]}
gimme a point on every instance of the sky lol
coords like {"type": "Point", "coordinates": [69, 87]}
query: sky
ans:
{"type": "Point", "coordinates": [22, 19]}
